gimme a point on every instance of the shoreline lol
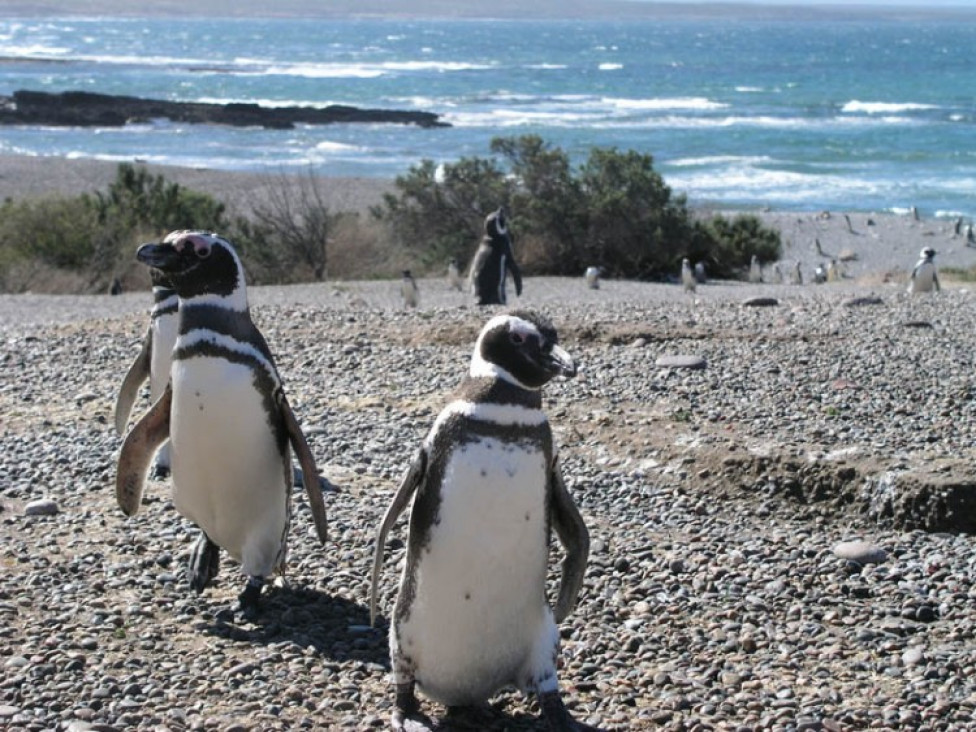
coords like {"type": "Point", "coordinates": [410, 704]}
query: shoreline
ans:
{"type": "Point", "coordinates": [878, 247]}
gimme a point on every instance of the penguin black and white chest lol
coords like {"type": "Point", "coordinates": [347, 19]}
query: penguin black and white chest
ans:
{"type": "Point", "coordinates": [925, 277]}
{"type": "Point", "coordinates": [471, 615]}
{"type": "Point", "coordinates": [153, 361]}
{"type": "Point", "coordinates": [227, 418]}
{"type": "Point", "coordinates": [493, 261]}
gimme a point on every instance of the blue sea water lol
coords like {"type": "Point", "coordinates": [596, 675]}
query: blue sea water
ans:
{"type": "Point", "coordinates": [799, 115]}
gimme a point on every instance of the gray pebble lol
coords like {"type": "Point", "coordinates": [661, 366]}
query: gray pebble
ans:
{"type": "Point", "coordinates": [680, 362]}
{"type": "Point", "coordinates": [41, 507]}
{"type": "Point", "coordinates": [861, 552]}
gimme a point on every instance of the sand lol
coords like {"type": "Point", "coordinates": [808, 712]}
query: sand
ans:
{"type": "Point", "coordinates": [877, 246]}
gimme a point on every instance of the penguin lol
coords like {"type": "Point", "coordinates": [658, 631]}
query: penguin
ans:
{"type": "Point", "coordinates": [227, 418]}
{"type": "Point", "coordinates": [493, 261]}
{"type": "Point", "coordinates": [833, 271]}
{"type": "Point", "coordinates": [471, 614]}
{"type": "Point", "coordinates": [797, 277]}
{"type": "Point", "coordinates": [153, 362]}
{"type": "Point", "coordinates": [454, 280]}
{"type": "Point", "coordinates": [925, 278]}
{"type": "Point", "coordinates": [777, 274]}
{"type": "Point", "coordinates": [592, 277]}
{"type": "Point", "coordinates": [700, 276]}
{"type": "Point", "coordinates": [755, 272]}
{"type": "Point", "coordinates": [408, 290]}
{"type": "Point", "coordinates": [819, 274]}
{"type": "Point", "coordinates": [688, 279]}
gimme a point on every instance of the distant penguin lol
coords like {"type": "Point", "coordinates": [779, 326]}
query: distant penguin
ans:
{"type": "Point", "coordinates": [454, 280]}
{"type": "Point", "coordinates": [797, 277]}
{"type": "Point", "coordinates": [153, 362]}
{"type": "Point", "coordinates": [818, 249]}
{"type": "Point", "coordinates": [970, 236]}
{"type": "Point", "coordinates": [925, 278]}
{"type": "Point", "coordinates": [819, 274]}
{"type": "Point", "coordinates": [227, 418]}
{"type": "Point", "coordinates": [777, 274]}
{"type": "Point", "coordinates": [592, 277]}
{"type": "Point", "coordinates": [471, 615]}
{"type": "Point", "coordinates": [116, 287]}
{"type": "Point", "coordinates": [833, 272]}
{"type": "Point", "coordinates": [700, 276]}
{"type": "Point", "coordinates": [493, 261]}
{"type": "Point", "coordinates": [408, 290]}
{"type": "Point", "coordinates": [688, 280]}
{"type": "Point", "coordinates": [755, 271]}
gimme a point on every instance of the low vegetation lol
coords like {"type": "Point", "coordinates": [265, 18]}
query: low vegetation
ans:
{"type": "Point", "coordinates": [613, 211]}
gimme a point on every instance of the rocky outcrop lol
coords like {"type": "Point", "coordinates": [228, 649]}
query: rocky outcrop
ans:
{"type": "Point", "coordinates": [86, 109]}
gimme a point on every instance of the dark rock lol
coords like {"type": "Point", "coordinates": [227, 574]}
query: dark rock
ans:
{"type": "Point", "coordinates": [87, 109]}
{"type": "Point", "coordinates": [760, 302]}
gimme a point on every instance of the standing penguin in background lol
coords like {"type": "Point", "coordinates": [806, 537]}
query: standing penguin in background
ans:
{"type": "Point", "coordinates": [227, 418]}
{"type": "Point", "coordinates": [688, 279]}
{"type": "Point", "coordinates": [925, 278]}
{"type": "Point", "coordinates": [592, 277]}
{"type": "Point", "coordinates": [408, 290]}
{"type": "Point", "coordinates": [454, 280]}
{"type": "Point", "coordinates": [493, 261]}
{"type": "Point", "coordinates": [471, 615]}
{"type": "Point", "coordinates": [153, 362]}
{"type": "Point", "coordinates": [755, 270]}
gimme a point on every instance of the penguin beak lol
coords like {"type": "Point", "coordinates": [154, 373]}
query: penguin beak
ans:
{"type": "Point", "coordinates": [158, 256]}
{"type": "Point", "coordinates": [560, 362]}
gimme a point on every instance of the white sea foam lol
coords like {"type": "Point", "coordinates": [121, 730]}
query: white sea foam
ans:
{"type": "Point", "coordinates": [610, 66]}
{"type": "Point", "coordinates": [855, 106]}
{"type": "Point", "coordinates": [655, 104]}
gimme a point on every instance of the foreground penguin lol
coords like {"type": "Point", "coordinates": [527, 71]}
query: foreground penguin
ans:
{"type": "Point", "coordinates": [153, 362]}
{"type": "Point", "coordinates": [471, 615]}
{"type": "Point", "coordinates": [227, 418]}
{"type": "Point", "coordinates": [493, 261]}
{"type": "Point", "coordinates": [925, 278]}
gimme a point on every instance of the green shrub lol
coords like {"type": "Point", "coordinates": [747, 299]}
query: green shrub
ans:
{"type": "Point", "coordinates": [615, 211]}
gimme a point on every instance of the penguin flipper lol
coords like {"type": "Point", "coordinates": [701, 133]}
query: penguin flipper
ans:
{"type": "Point", "coordinates": [310, 473]}
{"type": "Point", "coordinates": [408, 486]}
{"type": "Point", "coordinates": [575, 539]}
{"type": "Point", "coordinates": [137, 453]}
{"type": "Point", "coordinates": [138, 372]}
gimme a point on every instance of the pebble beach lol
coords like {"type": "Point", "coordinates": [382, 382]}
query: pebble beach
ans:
{"type": "Point", "coordinates": [775, 478]}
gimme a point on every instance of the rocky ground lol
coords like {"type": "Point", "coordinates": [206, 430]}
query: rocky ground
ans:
{"type": "Point", "coordinates": [716, 498]}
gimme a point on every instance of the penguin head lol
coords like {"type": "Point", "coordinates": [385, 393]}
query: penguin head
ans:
{"type": "Point", "coordinates": [521, 347]}
{"type": "Point", "coordinates": [496, 225]}
{"type": "Point", "coordinates": [196, 263]}
{"type": "Point", "coordinates": [927, 253]}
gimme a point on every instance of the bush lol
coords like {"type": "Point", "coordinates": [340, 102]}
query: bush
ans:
{"type": "Point", "coordinates": [614, 212]}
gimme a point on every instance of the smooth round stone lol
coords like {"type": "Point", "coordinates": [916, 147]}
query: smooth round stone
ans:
{"type": "Point", "coordinates": [8, 711]}
{"type": "Point", "coordinates": [760, 302]}
{"type": "Point", "coordinates": [861, 552]}
{"type": "Point", "coordinates": [41, 507]}
{"type": "Point", "coordinates": [680, 362]}
{"type": "Point", "coordinates": [913, 656]}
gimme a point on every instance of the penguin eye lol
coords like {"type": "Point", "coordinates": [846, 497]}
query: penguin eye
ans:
{"type": "Point", "coordinates": [517, 338]}
{"type": "Point", "coordinates": [203, 252]}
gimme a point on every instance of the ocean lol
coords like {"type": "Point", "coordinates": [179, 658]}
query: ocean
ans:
{"type": "Point", "coordinates": [793, 115]}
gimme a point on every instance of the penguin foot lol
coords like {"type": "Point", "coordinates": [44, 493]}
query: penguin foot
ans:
{"type": "Point", "coordinates": [248, 600]}
{"type": "Point", "coordinates": [204, 563]}
{"type": "Point", "coordinates": [557, 717]}
{"type": "Point", "coordinates": [407, 716]}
